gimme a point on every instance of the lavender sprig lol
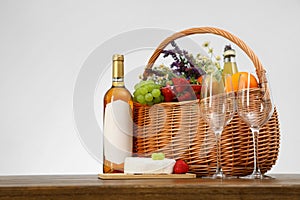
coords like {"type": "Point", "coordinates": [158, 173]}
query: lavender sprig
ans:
{"type": "Point", "coordinates": [183, 64]}
{"type": "Point", "coordinates": [176, 48]}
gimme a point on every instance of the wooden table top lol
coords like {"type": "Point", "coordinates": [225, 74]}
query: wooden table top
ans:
{"type": "Point", "coordinates": [90, 187]}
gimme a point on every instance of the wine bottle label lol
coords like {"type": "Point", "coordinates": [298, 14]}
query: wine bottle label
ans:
{"type": "Point", "coordinates": [117, 131]}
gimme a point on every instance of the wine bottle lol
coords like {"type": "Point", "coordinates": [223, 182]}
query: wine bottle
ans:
{"type": "Point", "coordinates": [230, 66]}
{"type": "Point", "coordinates": [117, 120]}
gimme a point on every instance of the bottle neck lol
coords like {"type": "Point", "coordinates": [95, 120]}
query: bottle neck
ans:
{"type": "Point", "coordinates": [229, 59]}
{"type": "Point", "coordinates": [118, 82]}
{"type": "Point", "coordinates": [118, 73]}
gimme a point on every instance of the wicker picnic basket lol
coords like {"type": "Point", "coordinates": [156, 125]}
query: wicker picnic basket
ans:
{"type": "Point", "coordinates": [177, 129]}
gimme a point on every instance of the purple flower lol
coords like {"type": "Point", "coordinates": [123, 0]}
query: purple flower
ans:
{"type": "Point", "coordinates": [183, 63]}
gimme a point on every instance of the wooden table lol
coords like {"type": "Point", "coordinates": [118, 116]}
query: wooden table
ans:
{"type": "Point", "coordinates": [90, 187]}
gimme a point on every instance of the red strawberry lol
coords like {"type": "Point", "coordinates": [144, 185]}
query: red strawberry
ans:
{"type": "Point", "coordinates": [180, 167]}
{"type": "Point", "coordinates": [180, 81]}
{"type": "Point", "coordinates": [185, 96]}
{"type": "Point", "coordinates": [180, 84]}
{"type": "Point", "coordinates": [167, 93]}
{"type": "Point", "coordinates": [196, 88]}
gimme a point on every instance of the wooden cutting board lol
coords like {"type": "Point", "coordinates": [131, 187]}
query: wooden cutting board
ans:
{"type": "Point", "coordinates": [143, 176]}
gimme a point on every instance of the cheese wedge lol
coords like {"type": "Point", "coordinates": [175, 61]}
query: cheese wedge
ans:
{"type": "Point", "coordinates": [136, 165]}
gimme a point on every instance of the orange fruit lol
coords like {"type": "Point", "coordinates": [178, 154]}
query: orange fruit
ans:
{"type": "Point", "coordinates": [243, 76]}
{"type": "Point", "coordinates": [199, 80]}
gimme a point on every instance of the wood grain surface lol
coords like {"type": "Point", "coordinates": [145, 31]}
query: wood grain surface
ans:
{"type": "Point", "coordinates": [90, 187]}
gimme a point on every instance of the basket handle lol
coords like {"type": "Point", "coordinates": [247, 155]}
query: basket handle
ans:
{"type": "Point", "coordinates": [207, 30]}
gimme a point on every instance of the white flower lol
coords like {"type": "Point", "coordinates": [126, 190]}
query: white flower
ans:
{"type": "Point", "coordinates": [205, 44]}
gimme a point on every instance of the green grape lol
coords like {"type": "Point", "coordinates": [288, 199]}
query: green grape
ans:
{"type": "Point", "coordinates": [142, 83]}
{"type": "Point", "coordinates": [158, 156]}
{"type": "Point", "coordinates": [146, 88]}
{"type": "Point", "coordinates": [157, 86]}
{"type": "Point", "coordinates": [136, 86]}
{"type": "Point", "coordinates": [141, 99]}
{"type": "Point", "coordinates": [148, 97]}
{"type": "Point", "coordinates": [157, 100]}
{"type": "Point", "coordinates": [143, 90]}
{"type": "Point", "coordinates": [150, 103]}
{"type": "Point", "coordinates": [137, 92]}
{"type": "Point", "coordinates": [150, 87]}
{"type": "Point", "coordinates": [150, 82]}
{"type": "Point", "coordinates": [156, 92]}
{"type": "Point", "coordinates": [162, 98]}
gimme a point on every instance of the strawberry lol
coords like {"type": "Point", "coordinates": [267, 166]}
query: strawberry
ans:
{"type": "Point", "coordinates": [180, 81]}
{"type": "Point", "coordinates": [185, 96]}
{"type": "Point", "coordinates": [167, 93]}
{"type": "Point", "coordinates": [180, 167]}
{"type": "Point", "coordinates": [196, 88]}
{"type": "Point", "coordinates": [180, 84]}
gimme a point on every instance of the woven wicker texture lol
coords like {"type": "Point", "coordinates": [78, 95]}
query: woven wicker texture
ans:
{"type": "Point", "coordinates": [178, 130]}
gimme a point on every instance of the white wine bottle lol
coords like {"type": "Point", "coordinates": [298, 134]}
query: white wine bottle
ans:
{"type": "Point", "coordinates": [117, 121]}
{"type": "Point", "coordinates": [230, 66]}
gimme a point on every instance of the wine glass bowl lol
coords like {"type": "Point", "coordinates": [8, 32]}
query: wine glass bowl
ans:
{"type": "Point", "coordinates": [213, 110]}
{"type": "Point", "coordinates": [254, 108]}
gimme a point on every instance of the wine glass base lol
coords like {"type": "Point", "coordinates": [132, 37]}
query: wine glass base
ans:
{"type": "Point", "coordinates": [268, 177]}
{"type": "Point", "coordinates": [219, 175]}
{"type": "Point", "coordinates": [251, 176]}
{"type": "Point", "coordinates": [216, 175]}
{"type": "Point", "coordinates": [254, 175]}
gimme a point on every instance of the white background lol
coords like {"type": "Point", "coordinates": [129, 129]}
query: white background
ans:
{"type": "Point", "coordinates": [43, 45]}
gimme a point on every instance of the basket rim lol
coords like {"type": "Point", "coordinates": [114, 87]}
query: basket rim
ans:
{"type": "Point", "coordinates": [170, 103]}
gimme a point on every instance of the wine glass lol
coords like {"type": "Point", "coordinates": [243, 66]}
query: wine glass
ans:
{"type": "Point", "coordinates": [217, 109]}
{"type": "Point", "coordinates": [254, 105]}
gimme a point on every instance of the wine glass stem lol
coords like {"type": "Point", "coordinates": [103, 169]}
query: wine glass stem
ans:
{"type": "Point", "coordinates": [255, 132]}
{"type": "Point", "coordinates": [218, 141]}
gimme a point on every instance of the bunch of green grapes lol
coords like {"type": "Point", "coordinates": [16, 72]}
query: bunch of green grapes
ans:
{"type": "Point", "coordinates": [147, 93]}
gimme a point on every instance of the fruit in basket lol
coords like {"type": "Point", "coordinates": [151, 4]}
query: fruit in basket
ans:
{"type": "Point", "coordinates": [167, 93]}
{"type": "Point", "coordinates": [158, 156]}
{"type": "Point", "coordinates": [197, 90]}
{"type": "Point", "coordinates": [141, 99]}
{"type": "Point", "coordinates": [180, 167]}
{"type": "Point", "coordinates": [185, 96]}
{"type": "Point", "coordinates": [184, 90]}
{"type": "Point", "coordinates": [156, 93]}
{"type": "Point", "coordinates": [147, 92]}
{"type": "Point", "coordinates": [148, 97]}
{"type": "Point", "coordinates": [143, 90]}
{"type": "Point", "coordinates": [199, 80]}
{"type": "Point", "coordinates": [142, 83]}
{"type": "Point", "coordinates": [180, 84]}
{"type": "Point", "coordinates": [243, 76]}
